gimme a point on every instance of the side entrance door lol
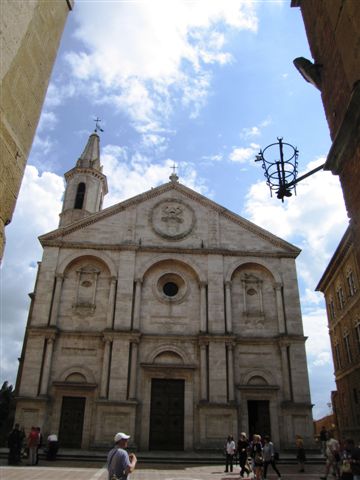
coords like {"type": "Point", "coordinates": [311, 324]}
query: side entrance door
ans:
{"type": "Point", "coordinates": [71, 422]}
{"type": "Point", "coordinates": [259, 417]}
{"type": "Point", "coordinates": [167, 415]}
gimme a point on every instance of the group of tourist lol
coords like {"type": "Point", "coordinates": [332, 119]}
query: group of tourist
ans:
{"type": "Point", "coordinates": [22, 446]}
{"type": "Point", "coordinates": [255, 455]}
{"type": "Point", "coordinates": [342, 459]}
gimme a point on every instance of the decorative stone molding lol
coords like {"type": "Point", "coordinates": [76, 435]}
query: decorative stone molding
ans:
{"type": "Point", "coordinates": [187, 192]}
{"type": "Point", "coordinates": [172, 219]}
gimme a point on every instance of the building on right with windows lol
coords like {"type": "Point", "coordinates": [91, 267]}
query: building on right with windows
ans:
{"type": "Point", "coordinates": [340, 286]}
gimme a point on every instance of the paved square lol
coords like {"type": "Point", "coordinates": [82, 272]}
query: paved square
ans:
{"type": "Point", "coordinates": [68, 471]}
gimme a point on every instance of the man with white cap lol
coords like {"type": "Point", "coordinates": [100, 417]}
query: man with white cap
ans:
{"type": "Point", "coordinates": [119, 462]}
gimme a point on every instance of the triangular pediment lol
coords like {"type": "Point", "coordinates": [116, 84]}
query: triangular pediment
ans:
{"type": "Point", "coordinates": [169, 214]}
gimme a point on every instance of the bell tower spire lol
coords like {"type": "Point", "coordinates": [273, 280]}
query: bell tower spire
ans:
{"type": "Point", "coordinates": [86, 185]}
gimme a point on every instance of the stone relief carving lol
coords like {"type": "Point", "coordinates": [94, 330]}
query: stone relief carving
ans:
{"type": "Point", "coordinates": [172, 219]}
{"type": "Point", "coordinates": [87, 278]}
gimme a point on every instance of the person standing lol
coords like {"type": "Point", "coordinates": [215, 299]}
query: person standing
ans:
{"type": "Point", "coordinates": [52, 446]}
{"type": "Point", "coordinates": [354, 458]}
{"type": "Point", "coordinates": [257, 456]}
{"type": "Point", "coordinates": [38, 429]}
{"type": "Point", "coordinates": [14, 443]}
{"type": "Point", "coordinates": [269, 457]}
{"type": "Point", "coordinates": [300, 452]}
{"type": "Point", "coordinates": [332, 457]}
{"type": "Point", "coordinates": [242, 449]}
{"type": "Point", "coordinates": [119, 463]}
{"type": "Point", "coordinates": [230, 450]}
{"type": "Point", "coordinates": [323, 439]}
{"type": "Point", "coordinates": [33, 442]}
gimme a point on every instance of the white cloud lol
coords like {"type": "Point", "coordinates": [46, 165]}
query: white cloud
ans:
{"type": "Point", "coordinates": [57, 93]}
{"type": "Point", "coordinates": [314, 220]}
{"type": "Point", "coordinates": [37, 211]}
{"type": "Point", "coordinates": [212, 158]}
{"type": "Point", "coordinates": [250, 132]}
{"type": "Point", "coordinates": [48, 121]}
{"type": "Point", "coordinates": [244, 154]}
{"type": "Point", "coordinates": [131, 176]}
{"type": "Point", "coordinates": [141, 51]}
{"type": "Point", "coordinates": [45, 145]}
{"type": "Point", "coordinates": [255, 131]}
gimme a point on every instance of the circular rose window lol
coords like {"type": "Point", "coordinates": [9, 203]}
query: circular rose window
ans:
{"type": "Point", "coordinates": [171, 287]}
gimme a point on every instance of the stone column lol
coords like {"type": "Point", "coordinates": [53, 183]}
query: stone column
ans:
{"type": "Point", "coordinates": [259, 286]}
{"type": "Point", "coordinates": [110, 312]}
{"type": "Point", "coordinates": [203, 327]}
{"type": "Point", "coordinates": [203, 372]}
{"type": "Point", "coordinates": [228, 307]}
{"type": "Point", "coordinates": [137, 304]}
{"type": "Point", "coordinates": [56, 300]}
{"type": "Point", "coordinates": [105, 369]}
{"type": "Point", "coordinates": [285, 369]}
{"type": "Point", "coordinates": [243, 284]}
{"type": "Point", "coordinates": [47, 366]}
{"type": "Point", "coordinates": [280, 307]}
{"type": "Point", "coordinates": [230, 362]}
{"type": "Point", "coordinates": [133, 368]}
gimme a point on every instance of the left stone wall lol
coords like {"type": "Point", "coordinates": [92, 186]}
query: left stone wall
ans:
{"type": "Point", "coordinates": [30, 38]}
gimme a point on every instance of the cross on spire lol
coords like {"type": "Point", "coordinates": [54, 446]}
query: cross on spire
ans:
{"type": "Point", "coordinates": [173, 177]}
{"type": "Point", "coordinates": [97, 126]}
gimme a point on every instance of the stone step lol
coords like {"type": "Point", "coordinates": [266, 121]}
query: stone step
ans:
{"type": "Point", "coordinates": [166, 457]}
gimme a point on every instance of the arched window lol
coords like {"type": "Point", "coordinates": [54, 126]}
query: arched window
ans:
{"type": "Point", "coordinates": [80, 194]}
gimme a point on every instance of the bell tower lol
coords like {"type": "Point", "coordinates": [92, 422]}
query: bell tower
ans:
{"type": "Point", "coordinates": [86, 185]}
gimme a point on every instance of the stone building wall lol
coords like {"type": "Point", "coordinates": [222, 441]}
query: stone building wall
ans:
{"type": "Point", "coordinates": [103, 329]}
{"type": "Point", "coordinates": [333, 31]}
{"type": "Point", "coordinates": [30, 37]}
{"type": "Point", "coordinates": [341, 287]}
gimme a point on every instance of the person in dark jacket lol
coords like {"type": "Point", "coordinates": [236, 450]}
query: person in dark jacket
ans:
{"type": "Point", "coordinates": [269, 457]}
{"type": "Point", "coordinates": [14, 441]}
{"type": "Point", "coordinates": [257, 456]}
{"type": "Point", "coordinates": [242, 449]}
{"type": "Point", "coordinates": [354, 458]}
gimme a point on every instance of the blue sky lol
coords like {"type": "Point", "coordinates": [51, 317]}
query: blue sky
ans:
{"type": "Point", "coordinates": [204, 84]}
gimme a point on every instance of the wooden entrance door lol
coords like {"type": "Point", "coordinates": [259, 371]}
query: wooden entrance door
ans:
{"type": "Point", "coordinates": [71, 422]}
{"type": "Point", "coordinates": [167, 415]}
{"type": "Point", "coordinates": [259, 417]}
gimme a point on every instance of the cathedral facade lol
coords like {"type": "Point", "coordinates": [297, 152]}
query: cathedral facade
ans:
{"type": "Point", "coordinates": [165, 316]}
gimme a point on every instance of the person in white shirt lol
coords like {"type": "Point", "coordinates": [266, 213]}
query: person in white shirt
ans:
{"type": "Point", "coordinates": [332, 457]}
{"type": "Point", "coordinates": [230, 449]}
{"type": "Point", "coordinates": [52, 446]}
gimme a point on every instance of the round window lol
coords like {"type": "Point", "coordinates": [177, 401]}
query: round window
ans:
{"type": "Point", "coordinates": [170, 289]}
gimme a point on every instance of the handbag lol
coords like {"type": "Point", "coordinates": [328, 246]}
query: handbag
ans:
{"type": "Point", "coordinates": [346, 467]}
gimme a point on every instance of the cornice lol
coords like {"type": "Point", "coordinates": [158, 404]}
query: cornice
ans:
{"type": "Point", "coordinates": [188, 193]}
{"type": "Point", "coordinates": [134, 247]}
{"type": "Point", "coordinates": [336, 262]}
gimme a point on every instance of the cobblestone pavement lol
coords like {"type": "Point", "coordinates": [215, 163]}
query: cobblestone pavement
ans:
{"type": "Point", "coordinates": [69, 471]}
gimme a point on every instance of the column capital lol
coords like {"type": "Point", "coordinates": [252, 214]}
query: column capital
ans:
{"type": "Point", "coordinates": [278, 286]}
{"type": "Point", "coordinates": [203, 284]}
{"type": "Point", "coordinates": [113, 279]}
{"type": "Point", "coordinates": [230, 344]}
{"type": "Point", "coordinates": [138, 281]}
{"type": "Point", "coordinates": [284, 343]}
{"type": "Point", "coordinates": [59, 276]}
{"type": "Point", "coordinates": [228, 283]}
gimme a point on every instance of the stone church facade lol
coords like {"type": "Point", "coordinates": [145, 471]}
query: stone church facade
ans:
{"type": "Point", "coordinates": [165, 316]}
